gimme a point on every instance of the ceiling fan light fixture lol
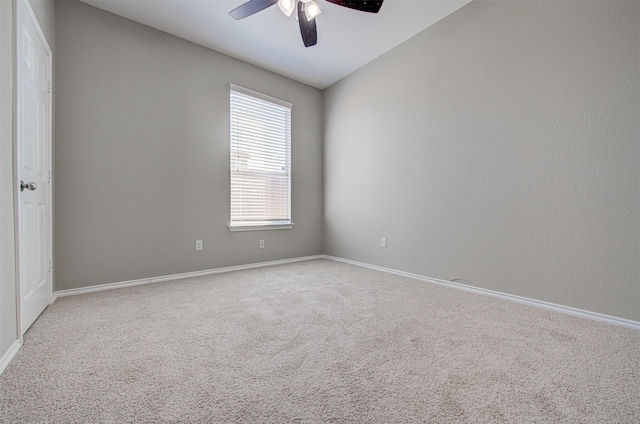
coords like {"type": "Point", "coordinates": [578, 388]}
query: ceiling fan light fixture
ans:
{"type": "Point", "coordinates": [287, 6]}
{"type": "Point", "coordinates": [311, 9]}
{"type": "Point", "coordinates": [307, 11]}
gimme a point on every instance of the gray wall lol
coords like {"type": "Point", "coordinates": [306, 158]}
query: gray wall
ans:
{"type": "Point", "coordinates": [142, 154]}
{"type": "Point", "coordinates": [501, 146]}
{"type": "Point", "coordinates": [8, 322]}
{"type": "Point", "coordinates": [45, 14]}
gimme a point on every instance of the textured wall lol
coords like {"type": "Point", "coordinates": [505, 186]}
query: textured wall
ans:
{"type": "Point", "coordinates": [8, 323]}
{"type": "Point", "coordinates": [499, 146]}
{"type": "Point", "coordinates": [142, 154]}
{"type": "Point", "coordinates": [45, 14]}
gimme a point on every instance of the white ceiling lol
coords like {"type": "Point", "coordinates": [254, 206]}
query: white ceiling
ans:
{"type": "Point", "coordinates": [347, 39]}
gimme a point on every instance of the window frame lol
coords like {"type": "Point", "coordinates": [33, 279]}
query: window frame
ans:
{"type": "Point", "coordinates": [259, 225]}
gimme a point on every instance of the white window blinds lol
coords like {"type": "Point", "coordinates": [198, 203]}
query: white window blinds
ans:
{"type": "Point", "coordinates": [260, 159]}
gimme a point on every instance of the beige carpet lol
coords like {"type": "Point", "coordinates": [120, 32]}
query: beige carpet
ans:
{"type": "Point", "coordinates": [317, 341]}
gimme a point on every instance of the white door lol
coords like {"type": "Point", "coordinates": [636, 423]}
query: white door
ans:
{"type": "Point", "coordinates": [33, 71]}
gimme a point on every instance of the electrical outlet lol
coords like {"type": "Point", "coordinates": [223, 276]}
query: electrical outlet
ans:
{"type": "Point", "coordinates": [383, 242]}
{"type": "Point", "coordinates": [261, 244]}
{"type": "Point", "coordinates": [199, 245]}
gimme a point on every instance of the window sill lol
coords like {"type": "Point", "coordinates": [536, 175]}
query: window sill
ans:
{"type": "Point", "coordinates": [260, 227]}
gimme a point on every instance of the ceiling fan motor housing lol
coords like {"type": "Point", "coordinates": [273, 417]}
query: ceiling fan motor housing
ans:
{"type": "Point", "coordinates": [307, 11]}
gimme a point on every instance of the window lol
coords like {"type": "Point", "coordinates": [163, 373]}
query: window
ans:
{"type": "Point", "coordinates": [260, 161]}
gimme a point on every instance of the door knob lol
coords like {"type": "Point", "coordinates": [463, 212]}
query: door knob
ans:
{"type": "Point", "coordinates": [29, 186]}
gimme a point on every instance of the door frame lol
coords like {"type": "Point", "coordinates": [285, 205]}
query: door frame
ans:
{"type": "Point", "coordinates": [16, 159]}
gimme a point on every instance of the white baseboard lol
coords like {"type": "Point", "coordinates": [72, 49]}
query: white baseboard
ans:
{"type": "Point", "coordinates": [110, 286]}
{"type": "Point", "coordinates": [519, 299]}
{"type": "Point", "coordinates": [9, 354]}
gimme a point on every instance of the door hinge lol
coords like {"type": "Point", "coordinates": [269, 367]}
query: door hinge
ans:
{"type": "Point", "coordinates": [49, 176]}
{"type": "Point", "coordinates": [50, 265]}
{"type": "Point", "coordinates": [48, 86]}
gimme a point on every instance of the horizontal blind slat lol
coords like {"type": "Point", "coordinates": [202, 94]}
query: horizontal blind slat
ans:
{"type": "Point", "coordinates": [260, 160]}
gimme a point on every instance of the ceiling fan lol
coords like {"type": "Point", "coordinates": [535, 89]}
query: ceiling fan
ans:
{"type": "Point", "coordinates": [307, 12]}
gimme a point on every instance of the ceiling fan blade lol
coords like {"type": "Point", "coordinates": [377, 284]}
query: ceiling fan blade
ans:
{"type": "Point", "coordinates": [308, 29]}
{"type": "Point", "coordinates": [250, 7]}
{"type": "Point", "coordinates": [370, 6]}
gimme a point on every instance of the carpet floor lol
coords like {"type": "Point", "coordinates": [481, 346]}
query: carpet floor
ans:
{"type": "Point", "coordinates": [316, 342]}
